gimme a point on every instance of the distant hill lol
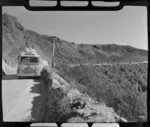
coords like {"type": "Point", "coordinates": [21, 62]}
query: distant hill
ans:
{"type": "Point", "coordinates": [16, 37]}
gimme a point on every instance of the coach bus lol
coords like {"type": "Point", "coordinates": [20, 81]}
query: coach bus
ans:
{"type": "Point", "coordinates": [29, 65]}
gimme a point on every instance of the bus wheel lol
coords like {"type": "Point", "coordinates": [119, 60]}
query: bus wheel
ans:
{"type": "Point", "coordinates": [19, 77]}
{"type": "Point", "coordinates": [37, 77]}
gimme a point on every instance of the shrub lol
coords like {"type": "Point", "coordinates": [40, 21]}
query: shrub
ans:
{"type": "Point", "coordinates": [117, 85]}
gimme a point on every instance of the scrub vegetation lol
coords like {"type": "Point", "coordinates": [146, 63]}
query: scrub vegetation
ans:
{"type": "Point", "coordinates": [122, 87]}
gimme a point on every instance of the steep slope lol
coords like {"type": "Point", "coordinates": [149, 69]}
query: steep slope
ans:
{"type": "Point", "coordinates": [67, 104]}
{"type": "Point", "coordinates": [122, 87]}
{"type": "Point", "coordinates": [16, 37]}
{"type": "Point", "coordinates": [12, 38]}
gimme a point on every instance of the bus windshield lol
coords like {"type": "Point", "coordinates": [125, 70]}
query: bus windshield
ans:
{"type": "Point", "coordinates": [27, 59]}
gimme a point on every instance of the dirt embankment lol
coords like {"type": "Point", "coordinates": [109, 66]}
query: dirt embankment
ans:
{"type": "Point", "coordinates": [67, 104]}
{"type": "Point", "coordinates": [8, 69]}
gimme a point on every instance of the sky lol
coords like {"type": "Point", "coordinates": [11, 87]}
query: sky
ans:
{"type": "Point", "coordinates": [124, 27]}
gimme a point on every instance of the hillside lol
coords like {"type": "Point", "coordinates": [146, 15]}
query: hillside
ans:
{"type": "Point", "coordinates": [66, 103]}
{"type": "Point", "coordinates": [16, 37]}
{"type": "Point", "coordinates": [110, 74]}
{"type": "Point", "coordinates": [122, 87]}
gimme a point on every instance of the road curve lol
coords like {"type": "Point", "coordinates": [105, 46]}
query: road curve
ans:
{"type": "Point", "coordinates": [107, 64]}
{"type": "Point", "coordinates": [19, 98]}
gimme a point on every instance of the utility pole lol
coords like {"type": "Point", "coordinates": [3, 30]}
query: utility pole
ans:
{"type": "Point", "coordinates": [54, 39]}
{"type": "Point", "coordinates": [53, 54]}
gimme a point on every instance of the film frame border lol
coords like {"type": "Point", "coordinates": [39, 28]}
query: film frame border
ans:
{"type": "Point", "coordinates": [123, 3]}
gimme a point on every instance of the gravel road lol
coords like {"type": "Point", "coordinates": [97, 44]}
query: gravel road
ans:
{"type": "Point", "coordinates": [22, 99]}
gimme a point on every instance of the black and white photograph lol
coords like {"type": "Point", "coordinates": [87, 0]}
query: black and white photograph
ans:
{"type": "Point", "coordinates": [74, 66]}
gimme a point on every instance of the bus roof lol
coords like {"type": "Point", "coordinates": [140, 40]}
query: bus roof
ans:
{"type": "Point", "coordinates": [29, 54]}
